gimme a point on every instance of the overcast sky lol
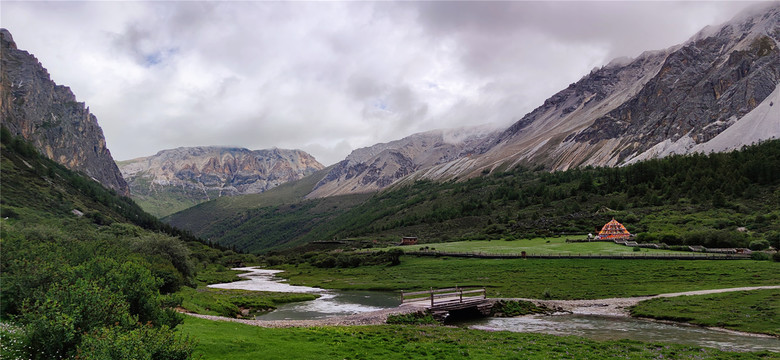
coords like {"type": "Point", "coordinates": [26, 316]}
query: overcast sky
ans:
{"type": "Point", "coordinates": [329, 77]}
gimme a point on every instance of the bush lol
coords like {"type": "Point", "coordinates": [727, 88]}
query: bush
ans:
{"type": "Point", "coordinates": [417, 318]}
{"type": "Point", "coordinates": [761, 256]}
{"type": "Point", "coordinates": [142, 343]}
{"type": "Point", "coordinates": [758, 245]}
{"type": "Point", "coordinates": [512, 308]}
{"type": "Point", "coordinates": [56, 323]}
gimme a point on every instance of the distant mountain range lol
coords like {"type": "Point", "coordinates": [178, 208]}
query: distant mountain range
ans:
{"type": "Point", "coordinates": [175, 179]}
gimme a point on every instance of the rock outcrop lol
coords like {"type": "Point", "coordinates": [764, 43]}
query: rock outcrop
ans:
{"type": "Point", "coordinates": [196, 174]}
{"type": "Point", "coordinates": [49, 116]}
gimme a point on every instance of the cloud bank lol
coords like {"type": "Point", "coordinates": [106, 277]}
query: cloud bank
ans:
{"type": "Point", "coordinates": [329, 77]}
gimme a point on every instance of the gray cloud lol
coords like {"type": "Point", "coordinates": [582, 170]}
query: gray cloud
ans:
{"type": "Point", "coordinates": [329, 77]}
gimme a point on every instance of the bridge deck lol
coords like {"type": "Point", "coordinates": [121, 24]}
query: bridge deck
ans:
{"type": "Point", "coordinates": [446, 299]}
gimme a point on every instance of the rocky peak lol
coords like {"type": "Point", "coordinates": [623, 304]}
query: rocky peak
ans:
{"type": "Point", "coordinates": [197, 174]}
{"type": "Point", "coordinates": [49, 116]}
{"type": "Point", "coordinates": [376, 167]}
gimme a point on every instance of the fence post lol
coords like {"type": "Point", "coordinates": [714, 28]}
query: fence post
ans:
{"type": "Point", "coordinates": [431, 296]}
{"type": "Point", "coordinates": [402, 296]}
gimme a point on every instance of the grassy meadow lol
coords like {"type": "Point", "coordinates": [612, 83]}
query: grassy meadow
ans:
{"type": "Point", "coordinates": [543, 278]}
{"type": "Point", "coordinates": [538, 245]}
{"type": "Point", "coordinates": [755, 311]}
{"type": "Point", "coordinates": [225, 340]}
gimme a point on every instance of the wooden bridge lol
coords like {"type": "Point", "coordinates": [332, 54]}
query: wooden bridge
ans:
{"type": "Point", "coordinates": [449, 299]}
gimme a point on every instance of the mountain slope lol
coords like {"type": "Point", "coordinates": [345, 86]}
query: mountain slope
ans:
{"type": "Point", "coordinates": [376, 167]}
{"type": "Point", "coordinates": [175, 179]}
{"type": "Point", "coordinates": [48, 115]}
{"type": "Point", "coordinates": [678, 199]}
{"type": "Point", "coordinates": [636, 109]}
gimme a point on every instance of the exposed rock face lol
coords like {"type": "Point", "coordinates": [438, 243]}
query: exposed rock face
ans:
{"type": "Point", "coordinates": [679, 100]}
{"type": "Point", "coordinates": [376, 167]}
{"type": "Point", "coordinates": [201, 173]}
{"type": "Point", "coordinates": [718, 91]}
{"type": "Point", "coordinates": [48, 115]}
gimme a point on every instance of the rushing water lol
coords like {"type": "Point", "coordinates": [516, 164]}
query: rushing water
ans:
{"type": "Point", "coordinates": [330, 303]}
{"type": "Point", "coordinates": [612, 328]}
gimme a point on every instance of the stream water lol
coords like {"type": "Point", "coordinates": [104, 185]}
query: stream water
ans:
{"type": "Point", "coordinates": [330, 303]}
{"type": "Point", "coordinates": [613, 328]}
{"type": "Point", "coordinates": [337, 303]}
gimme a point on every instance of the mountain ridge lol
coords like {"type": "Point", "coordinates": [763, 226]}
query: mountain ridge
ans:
{"type": "Point", "coordinates": [662, 102]}
{"type": "Point", "coordinates": [50, 117]}
{"type": "Point", "coordinates": [176, 178]}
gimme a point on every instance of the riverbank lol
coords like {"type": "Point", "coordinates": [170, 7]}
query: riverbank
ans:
{"type": "Point", "coordinates": [618, 307]}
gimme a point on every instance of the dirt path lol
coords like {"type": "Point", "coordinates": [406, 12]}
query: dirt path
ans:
{"type": "Point", "coordinates": [610, 307]}
{"type": "Point", "coordinates": [619, 306]}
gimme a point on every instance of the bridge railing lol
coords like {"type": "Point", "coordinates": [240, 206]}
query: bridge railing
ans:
{"type": "Point", "coordinates": [446, 295]}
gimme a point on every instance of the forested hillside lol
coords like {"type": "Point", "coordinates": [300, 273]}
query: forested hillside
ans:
{"type": "Point", "coordinates": [85, 271]}
{"type": "Point", "coordinates": [691, 199]}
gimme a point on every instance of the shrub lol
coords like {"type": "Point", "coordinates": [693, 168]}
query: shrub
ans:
{"type": "Point", "coordinates": [762, 256]}
{"type": "Point", "coordinates": [760, 244]}
{"type": "Point", "coordinates": [142, 343]}
{"type": "Point", "coordinates": [416, 318]}
{"type": "Point", "coordinates": [512, 308]}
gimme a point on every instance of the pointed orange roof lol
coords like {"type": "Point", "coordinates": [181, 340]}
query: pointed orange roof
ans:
{"type": "Point", "coordinates": [614, 230]}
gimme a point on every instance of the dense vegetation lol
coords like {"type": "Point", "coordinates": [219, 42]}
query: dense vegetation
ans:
{"type": "Point", "coordinates": [224, 340]}
{"type": "Point", "coordinates": [86, 272]}
{"type": "Point", "coordinates": [693, 199]}
{"type": "Point", "coordinates": [753, 311]}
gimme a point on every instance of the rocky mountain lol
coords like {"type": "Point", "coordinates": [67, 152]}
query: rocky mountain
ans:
{"type": "Point", "coordinates": [49, 116]}
{"type": "Point", "coordinates": [715, 92]}
{"type": "Point", "coordinates": [172, 180]}
{"type": "Point", "coordinates": [376, 167]}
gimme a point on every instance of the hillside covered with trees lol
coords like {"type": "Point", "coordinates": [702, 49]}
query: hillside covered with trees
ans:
{"type": "Point", "coordinates": [691, 199]}
{"type": "Point", "coordinates": [86, 272]}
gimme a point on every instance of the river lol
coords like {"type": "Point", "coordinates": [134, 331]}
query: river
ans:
{"type": "Point", "coordinates": [330, 302]}
{"type": "Point", "coordinates": [333, 303]}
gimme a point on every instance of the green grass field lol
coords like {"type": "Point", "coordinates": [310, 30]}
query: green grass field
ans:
{"type": "Point", "coordinates": [752, 311]}
{"type": "Point", "coordinates": [534, 278]}
{"type": "Point", "coordinates": [224, 340]}
{"type": "Point", "coordinates": [549, 245]}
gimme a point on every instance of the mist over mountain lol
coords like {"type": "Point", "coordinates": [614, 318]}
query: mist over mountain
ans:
{"type": "Point", "coordinates": [715, 92]}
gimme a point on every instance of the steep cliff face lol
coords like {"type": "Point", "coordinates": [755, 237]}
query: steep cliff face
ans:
{"type": "Point", "coordinates": [376, 167]}
{"type": "Point", "coordinates": [48, 115]}
{"type": "Point", "coordinates": [178, 178]}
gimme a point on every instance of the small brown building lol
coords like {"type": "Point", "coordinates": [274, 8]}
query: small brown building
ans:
{"type": "Point", "coordinates": [409, 240]}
